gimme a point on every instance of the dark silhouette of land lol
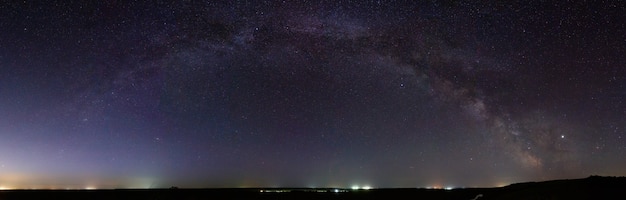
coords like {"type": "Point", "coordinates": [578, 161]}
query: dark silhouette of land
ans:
{"type": "Point", "coordinates": [593, 187]}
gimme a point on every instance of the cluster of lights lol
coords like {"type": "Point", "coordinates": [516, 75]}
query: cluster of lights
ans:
{"type": "Point", "coordinates": [439, 187]}
{"type": "Point", "coordinates": [274, 191]}
{"type": "Point", "coordinates": [321, 190]}
{"type": "Point", "coordinates": [356, 187]}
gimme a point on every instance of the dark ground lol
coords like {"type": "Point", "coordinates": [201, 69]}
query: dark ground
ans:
{"type": "Point", "coordinates": [593, 187]}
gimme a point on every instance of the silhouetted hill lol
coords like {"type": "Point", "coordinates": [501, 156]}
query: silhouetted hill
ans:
{"type": "Point", "coordinates": [594, 187]}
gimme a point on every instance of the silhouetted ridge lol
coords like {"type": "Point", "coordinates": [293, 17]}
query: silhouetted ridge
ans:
{"type": "Point", "coordinates": [593, 187]}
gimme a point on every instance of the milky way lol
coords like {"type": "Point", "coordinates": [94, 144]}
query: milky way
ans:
{"type": "Point", "coordinates": [310, 94]}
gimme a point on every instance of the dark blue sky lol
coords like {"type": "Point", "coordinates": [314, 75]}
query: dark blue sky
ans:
{"type": "Point", "coordinates": [310, 94]}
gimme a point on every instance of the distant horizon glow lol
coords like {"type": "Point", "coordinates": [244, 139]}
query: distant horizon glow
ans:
{"type": "Point", "coordinates": [96, 186]}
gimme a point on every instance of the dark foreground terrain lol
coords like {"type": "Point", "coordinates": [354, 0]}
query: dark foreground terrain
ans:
{"type": "Point", "coordinates": [593, 187]}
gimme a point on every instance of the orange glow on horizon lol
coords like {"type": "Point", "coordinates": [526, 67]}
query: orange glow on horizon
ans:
{"type": "Point", "coordinates": [5, 188]}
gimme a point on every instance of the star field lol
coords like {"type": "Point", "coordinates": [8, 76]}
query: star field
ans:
{"type": "Point", "coordinates": [310, 94]}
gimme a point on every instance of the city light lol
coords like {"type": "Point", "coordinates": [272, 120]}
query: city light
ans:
{"type": "Point", "coordinates": [357, 187]}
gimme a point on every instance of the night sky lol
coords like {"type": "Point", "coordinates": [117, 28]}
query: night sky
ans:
{"type": "Point", "coordinates": [127, 94]}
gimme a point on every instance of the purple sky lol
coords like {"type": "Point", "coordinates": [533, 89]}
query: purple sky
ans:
{"type": "Point", "coordinates": [108, 94]}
